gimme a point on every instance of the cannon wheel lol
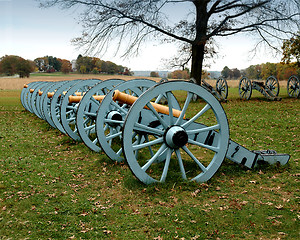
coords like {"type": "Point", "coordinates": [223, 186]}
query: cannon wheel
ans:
{"type": "Point", "coordinates": [222, 87]}
{"type": "Point", "coordinates": [87, 112]}
{"type": "Point", "coordinates": [111, 115]}
{"type": "Point", "coordinates": [41, 98]}
{"type": "Point", "coordinates": [197, 138]}
{"type": "Point", "coordinates": [293, 87]}
{"type": "Point", "coordinates": [56, 101]}
{"type": "Point", "coordinates": [273, 84]}
{"type": "Point", "coordinates": [24, 94]}
{"type": "Point", "coordinates": [28, 95]}
{"type": "Point", "coordinates": [245, 88]}
{"type": "Point", "coordinates": [68, 110]}
{"type": "Point", "coordinates": [35, 99]}
{"type": "Point", "coordinates": [46, 102]}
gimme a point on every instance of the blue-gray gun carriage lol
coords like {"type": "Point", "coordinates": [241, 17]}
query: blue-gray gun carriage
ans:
{"type": "Point", "coordinates": [160, 130]}
{"type": "Point", "coordinates": [270, 88]}
{"type": "Point", "coordinates": [293, 86]}
{"type": "Point", "coordinates": [220, 91]}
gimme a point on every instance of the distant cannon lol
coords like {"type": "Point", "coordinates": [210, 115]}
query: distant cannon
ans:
{"type": "Point", "coordinates": [269, 88]}
{"type": "Point", "coordinates": [220, 91]}
{"type": "Point", "coordinates": [293, 86]}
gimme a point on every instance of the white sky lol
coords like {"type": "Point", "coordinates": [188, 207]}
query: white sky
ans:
{"type": "Point", "coordinates": [30, 32]}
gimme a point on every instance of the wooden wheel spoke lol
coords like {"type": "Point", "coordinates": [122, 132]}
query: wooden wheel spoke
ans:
{"type": "Point", "coordinates": [205, 129]}
{"type": "Point", "coordinates": [166, 167]}
{"type": "Point", "coordinates": [118, 107]}
{"type": "Point", "coordinates": [114, 135]}
{"type": "Point", "coordinates": [159, 97]}
{"type": "Point", "coordinates": [160, 151]}
{"type": "Point", "coordinates": [88, 128]}
{"type": "Point", "coordinates": [150, 130]}
{"type": "Point", "coordinates": [215, 149]}
{"type": "Point", "coordinates": [180, 162]}
{"type": "Point", "coordinates": [147, 144]}
{"type": "Point", "coordinates": [149, 147]}
{"type": "Point", "coordinates": [185, 107]}
{"type": "Point", "coordinates": [71, 119]}
{"type": "Point", "coordinates": [203, 168]}
{"type": "Point", "coordinates": [170, 108]}
{"type": "Point", "coordinates": [90, 114]}
{"type": "Point", "coordinates": [163, 123]}
{"type": "Point", "coordinates": [199, 114]}
{"type": "Point", "coordinates": [113, 121]}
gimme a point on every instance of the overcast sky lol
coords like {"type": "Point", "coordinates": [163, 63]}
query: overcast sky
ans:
{"type": "Point", "coordinates": [30, 32]}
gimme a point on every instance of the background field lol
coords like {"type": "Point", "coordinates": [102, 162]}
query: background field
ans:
{"type": "Point", "coordinates": [54, 188]}
{"type": "Point", "coordinates": [9, 83]}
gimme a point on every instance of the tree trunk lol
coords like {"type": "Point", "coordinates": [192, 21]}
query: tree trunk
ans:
{"type": "Point", "coordinates": [198, 47]}
{"type": "Point", "coordinates": [197, 62]}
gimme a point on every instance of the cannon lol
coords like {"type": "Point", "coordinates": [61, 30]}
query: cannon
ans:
{"type": "Point", "coordinates": [269, 88]}
{"type": "Point", "coordinates": [293, 86]}
{"type": "Point", "coordinates": [220, 91]}
{"type": "Point", "coordinates": [158, 129]}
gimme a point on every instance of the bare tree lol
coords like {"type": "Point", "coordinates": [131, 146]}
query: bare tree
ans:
{"type": "Point", "coordinates": [132, 22]}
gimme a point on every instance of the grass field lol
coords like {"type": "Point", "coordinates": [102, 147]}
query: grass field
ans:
{"type": "Point", "coordinates": [54, 188]}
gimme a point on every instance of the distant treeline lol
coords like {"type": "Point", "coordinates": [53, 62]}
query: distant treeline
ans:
{"type": "Point", "coordinates": [11, 65]}
{"type": "Point", "coordinates": [95, 65]}
{"type": "Point", "coordinates": [281, 71]}
{"type": "Point", "coordinates": [83, 65]}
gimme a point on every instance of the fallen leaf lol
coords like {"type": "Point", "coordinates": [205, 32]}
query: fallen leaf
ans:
{"type": "Point", "coordinates": [279, 207]}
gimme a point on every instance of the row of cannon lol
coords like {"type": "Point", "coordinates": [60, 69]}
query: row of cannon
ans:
{"type": "Point", "coordinates": [170, 128]}
{"type": "Point", "coordinates": [270, 88]}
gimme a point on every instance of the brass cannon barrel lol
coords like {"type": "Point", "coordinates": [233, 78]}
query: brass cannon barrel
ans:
{"type": "Point", "coordinates": [77, 99]}
{"type": "Point", "coordinates": [50, 94]}
{"type": "Point", "coordinates": [128, 99]}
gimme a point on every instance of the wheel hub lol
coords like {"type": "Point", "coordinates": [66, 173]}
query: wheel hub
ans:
{"type": "Point", "coordinates": [114, 115]}
{"type": "Point", "coordinates": [175, 137]}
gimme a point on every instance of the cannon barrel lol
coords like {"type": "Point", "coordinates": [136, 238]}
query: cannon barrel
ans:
{"type": "Point", "coordinates": [128, 99]}
{"type": "Point", "coordinates": [50, 94]}
{"type": "Point", "coordinates": [77, 99]}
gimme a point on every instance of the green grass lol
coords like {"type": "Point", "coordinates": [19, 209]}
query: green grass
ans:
{"type": "Point", "coordinates": [54, 74]}
{"type": "Point", "coordinates": [54, 188]}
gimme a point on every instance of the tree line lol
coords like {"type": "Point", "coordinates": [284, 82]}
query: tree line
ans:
{"type": "Point", "coordinates": [95, 65]}
{"type": "Point", "coordinates": [11, 65]}
{"type": "Point", "coordinates": [281, 71]}
{"type": "Point", "coordinates": [289, 65]}
{"type": "Point", "coordinates": [50, 64]}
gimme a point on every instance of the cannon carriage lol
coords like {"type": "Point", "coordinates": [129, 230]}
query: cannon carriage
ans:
{"type": "Point", "coordinates": [293, 86]}
{"type": "Point", "coordinates": [153, 127]}
{"type": "Point", "coordinates": [270, 88]}
{"type": "Point", "coordinates": [220, 91]}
